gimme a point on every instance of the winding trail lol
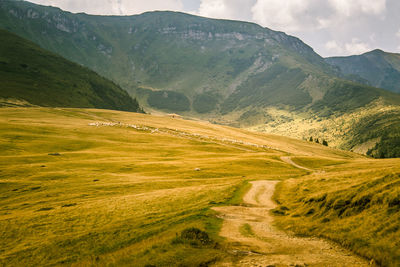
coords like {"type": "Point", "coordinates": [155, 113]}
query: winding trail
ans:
{"type": "Point", "coordinates": [289, 160]}
{"type": "Point", "coordinates": [254, 241]}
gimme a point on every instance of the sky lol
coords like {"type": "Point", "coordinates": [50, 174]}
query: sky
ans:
{"type": "Point", "coordinates": [331, 27]}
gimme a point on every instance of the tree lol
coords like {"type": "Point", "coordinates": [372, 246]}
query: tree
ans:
{"type": "Point", "coordinates": [311, 139]}
{"type": "Point", "coordinates": [317, 141]}
{"type": "Point", "coordinates": [324, 142]}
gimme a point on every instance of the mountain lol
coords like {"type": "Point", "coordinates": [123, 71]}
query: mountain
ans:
{"type": "Point", "coordinates": [203, 61]}
{"type": "Point", "coordinates": [30, 75]}
{"type": "Point", "coordinates": [228, 72]}
{"type": "Point", "coordinates": [376, 68]}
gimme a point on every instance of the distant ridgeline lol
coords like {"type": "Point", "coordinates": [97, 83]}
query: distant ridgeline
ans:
{"type": "Point", "coordinates": [376, 68]}
{"type": "Point", "coordinates": [228, 72]}
{"type": "Point", "coordinates": [30, 75]}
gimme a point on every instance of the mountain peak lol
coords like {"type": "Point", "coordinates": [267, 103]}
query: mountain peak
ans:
{"type": "Point", "coordinates": [375, 51]}
{"type": "Point", "coordinates": [377, 68]}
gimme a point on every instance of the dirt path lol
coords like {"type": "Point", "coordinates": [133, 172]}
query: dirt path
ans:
{"type": "Point", "coordinates": [255, 242]}
{"type": "Point", "coordinates": [291, 162]}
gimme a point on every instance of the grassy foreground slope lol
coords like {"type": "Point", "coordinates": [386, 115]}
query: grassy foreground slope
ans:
{"type": "Point", "coordinates": [32, 75]}
{"type": "Point", "coordinates": [95, 187]}
{"type": "Point", "coordinates": [76, 193]}
{"type": "Point", "coordinates": [355, 203]}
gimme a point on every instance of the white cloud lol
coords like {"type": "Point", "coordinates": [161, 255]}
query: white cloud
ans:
{"type": "Point", "coordinates": [349, 8]}
{"type": "Point", "coordinates": [372, 37]}
{"type": "Point", "coordinates": [226, 9]}
{"type": "Point", "coordinates": [297, 15]}
{"type": "Point", "coordinates": [213, 8]}
{"type": "Point", "coordinates": [356, 47]}
{"type": "Point", "coordinates": [140, 6]}
{"type": "Point", "coordinates": [113, 7]}
{"type": "Point", "coordinates": [375, 7]}
{"type": "Point", "coordinates": [282, 15]}
{"type": "Point", "coordinates": [323, 23]}
{"type": "Point", "coordinates": [334, 47]}
{"type": "Point", "coordinates": [398, 33]}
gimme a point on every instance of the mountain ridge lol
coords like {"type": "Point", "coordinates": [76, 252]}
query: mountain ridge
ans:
{"type": "Point", "coordinates": [377, 68]}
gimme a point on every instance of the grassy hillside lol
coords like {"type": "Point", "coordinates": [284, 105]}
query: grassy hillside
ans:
{"type": "Point", "coordinates": [353, 203]}
{"type": "Point", "coordinates": [96, 187]}
{"type": "Point", "coordinates": [376, 68]}
{"type": "Point", "coordinates": [372, 129]}
{"type": "Point", "coordinates": [38, 77]}
{"type": "Point", "coordinates": [228, 72]}
{"type": "Point", "coordinates": [178, 62]}
{"type": "Point", "coordinates": [77, 192]}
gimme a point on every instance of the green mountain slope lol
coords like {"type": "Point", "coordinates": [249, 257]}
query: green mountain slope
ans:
{"type": "Point", "coordinates": [198, 58]}
{"type": "Point", "coordinates": [183, 63]}
{"type": "Point", "coordinates": [377, 68]}
{"type": "Point", "coordinates": [227, 72]}
{"type": "Point", "coordinates": [33, 75]}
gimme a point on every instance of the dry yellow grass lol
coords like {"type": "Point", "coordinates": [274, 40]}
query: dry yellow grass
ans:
{"type": "Point", "coordinates": [337, 130]}
{"type": "Point", "coordinates": [249, 228]}
{"type": "Point", "coordinates": [355, 203]}
{"type": "Point", "coordinates": [75, 193]}
{"type": "Point", "coordinates": [94, 187]}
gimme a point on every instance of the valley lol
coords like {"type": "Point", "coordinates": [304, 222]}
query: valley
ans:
{"type": "Point", "coordinates": [169, 139]}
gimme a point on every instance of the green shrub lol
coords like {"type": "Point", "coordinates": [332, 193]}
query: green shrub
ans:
{"type": "Point", "coordinates": [193, 236]}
